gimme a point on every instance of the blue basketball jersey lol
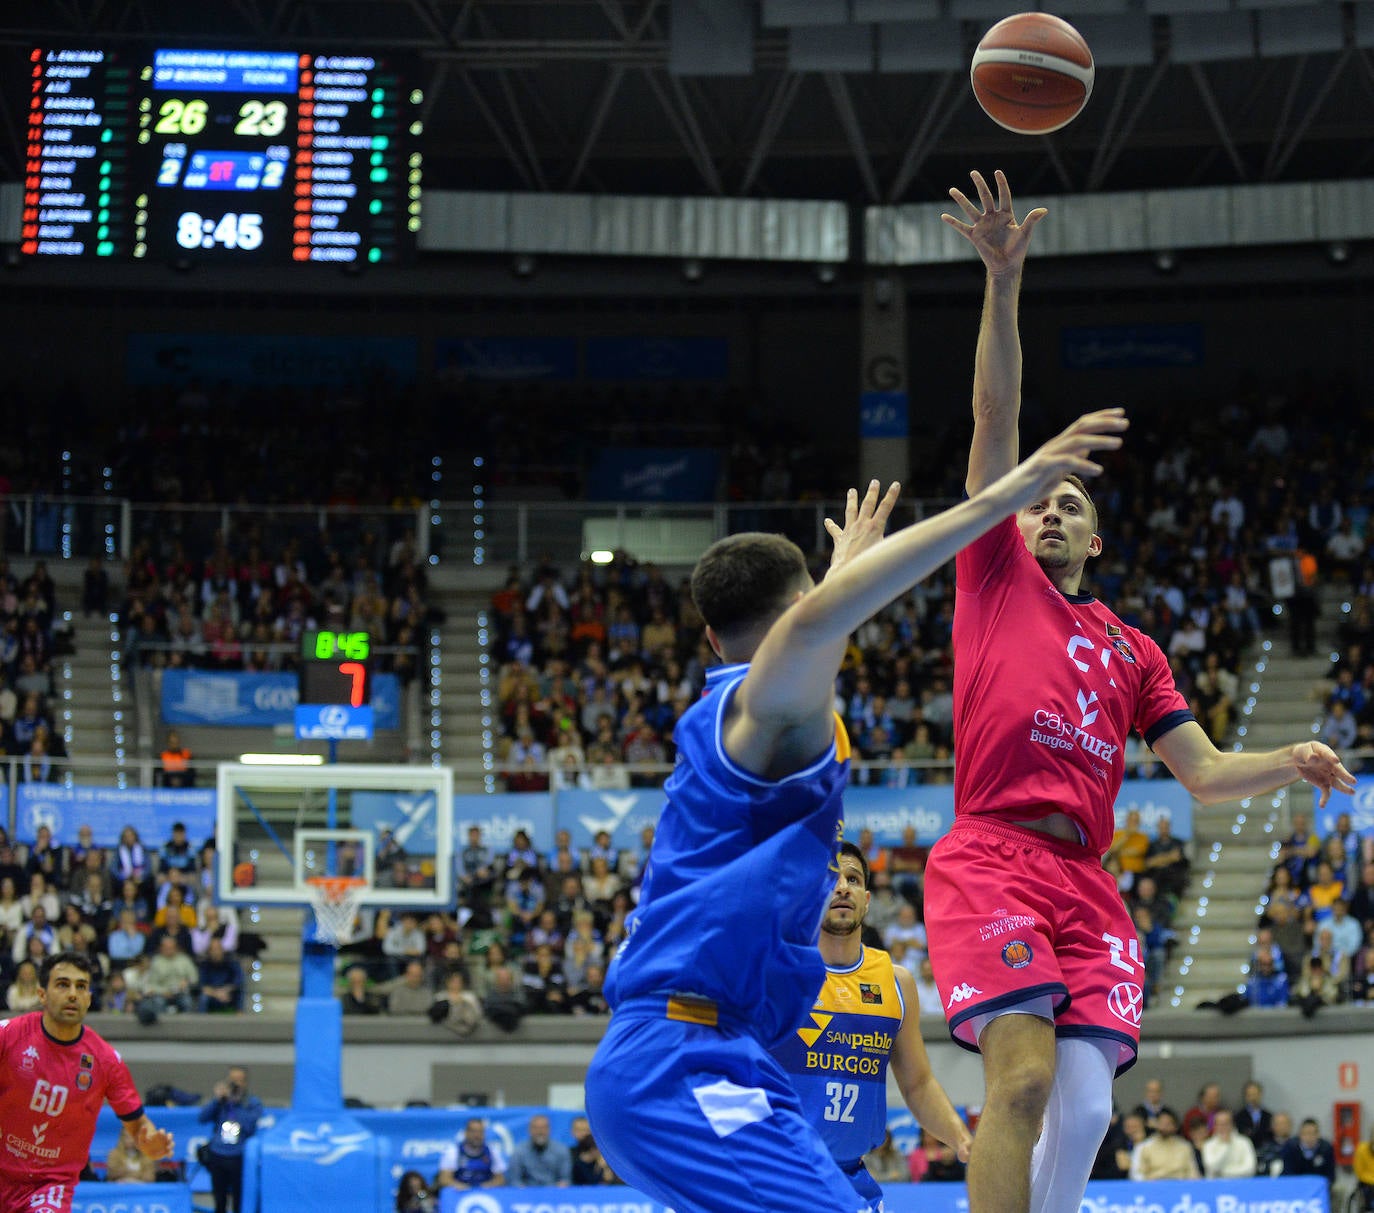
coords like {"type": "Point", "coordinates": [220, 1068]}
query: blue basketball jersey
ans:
{"type": "Point", "coordinates": [837, 1056]}
{"type": "Point", "coordinates": [739, 876]}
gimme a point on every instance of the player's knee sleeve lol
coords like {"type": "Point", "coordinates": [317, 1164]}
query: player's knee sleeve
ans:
{"type": "Point", "coordinates": [1076, 1119]}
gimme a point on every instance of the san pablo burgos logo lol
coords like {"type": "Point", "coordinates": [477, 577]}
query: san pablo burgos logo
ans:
{"type": "Point", "coordinates": [323, 1148]}
{"type": "Point", "coordinates": [415, 811]}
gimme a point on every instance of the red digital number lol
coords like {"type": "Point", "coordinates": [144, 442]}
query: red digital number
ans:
{"type": "Point", "coordinates": [358, 673]}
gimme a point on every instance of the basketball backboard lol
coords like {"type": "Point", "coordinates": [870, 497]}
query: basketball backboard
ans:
{"type": "Point", "coordinates": [389, 824]}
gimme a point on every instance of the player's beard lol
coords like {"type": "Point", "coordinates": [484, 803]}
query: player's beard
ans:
{"type": "Point", "coordinates": [831, 926]}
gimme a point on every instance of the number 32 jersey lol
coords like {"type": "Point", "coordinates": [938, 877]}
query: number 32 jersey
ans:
{"type": "Point", "coordinates": [50, 1094]}
{"type": "Point", "coordinates": [837, 1060]}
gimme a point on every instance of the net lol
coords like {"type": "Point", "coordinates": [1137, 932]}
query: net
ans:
{"type": "Point", "coordinates": [335, 901]}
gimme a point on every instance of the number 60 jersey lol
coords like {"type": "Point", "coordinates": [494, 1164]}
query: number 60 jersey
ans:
{"type": "Point", "coordinates": [50, 1094]}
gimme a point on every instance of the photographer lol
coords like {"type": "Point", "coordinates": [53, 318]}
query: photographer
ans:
{"type": "Point", "coordinates": [233, 1115]}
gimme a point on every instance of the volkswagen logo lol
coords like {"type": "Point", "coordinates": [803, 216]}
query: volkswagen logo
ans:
{"type": "Point", "coordinates": [1126, 1001]}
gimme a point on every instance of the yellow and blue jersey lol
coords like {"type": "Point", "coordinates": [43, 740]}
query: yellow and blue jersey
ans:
{"type": "Point", "coordinates": [738, 879]}
{"type": "Point", "coordinates": [837, 1055]}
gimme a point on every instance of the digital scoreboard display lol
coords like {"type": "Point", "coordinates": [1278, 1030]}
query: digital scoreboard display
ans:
{"type": "Point", "coordinates": [336, 668]}
{"type": "Point", "coordinates": [228, 156]}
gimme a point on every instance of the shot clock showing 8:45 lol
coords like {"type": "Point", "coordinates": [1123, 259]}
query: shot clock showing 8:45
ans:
{"type": "Point", "coordinates": [231, 156]}
{"type": "Point", "coordinates": [336, 668]}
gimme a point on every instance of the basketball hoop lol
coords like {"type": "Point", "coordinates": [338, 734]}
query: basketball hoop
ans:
{"type": "Point", "coordinates": [335, 901]}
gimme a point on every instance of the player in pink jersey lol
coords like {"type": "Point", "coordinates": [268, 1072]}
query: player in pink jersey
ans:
{"type": "Point", "coordinates": [1034, 954]}
{"type": "Point", "coordinates": [55, 1073]}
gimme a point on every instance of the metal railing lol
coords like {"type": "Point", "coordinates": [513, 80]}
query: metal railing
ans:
{"type": "Point", "coordinates": [468, 531]}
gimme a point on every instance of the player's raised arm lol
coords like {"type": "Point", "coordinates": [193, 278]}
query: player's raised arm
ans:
{"type": "Point", "coordinates": [1001, 242]}
{"type": "Point", "coordinates": [782, 717]}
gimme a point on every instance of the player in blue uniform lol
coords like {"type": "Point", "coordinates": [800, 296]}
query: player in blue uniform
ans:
{"type": "Point", "coordinates": [865, 1017]}
{"type": "Point", "coordinates": [720, 961]}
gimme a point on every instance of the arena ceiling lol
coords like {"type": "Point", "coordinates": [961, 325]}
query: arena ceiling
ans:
{"type": "Point", "coordinates": [582, 95]}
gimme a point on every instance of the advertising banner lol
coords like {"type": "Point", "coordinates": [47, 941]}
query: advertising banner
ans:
{"type": "Point", "coordinates": [151, 811]}
{"type": "Point", "coordinates": [1296, 1195]}
{"type": "Point", "coordinates": [227, 699]}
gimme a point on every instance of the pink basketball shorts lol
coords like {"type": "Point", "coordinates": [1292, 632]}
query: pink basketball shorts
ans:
{"type": "Point", "coordinates": [1013, 915]}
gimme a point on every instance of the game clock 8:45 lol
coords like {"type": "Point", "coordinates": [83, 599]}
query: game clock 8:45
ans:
{"type": "Point", "coordinates": [232, 231]}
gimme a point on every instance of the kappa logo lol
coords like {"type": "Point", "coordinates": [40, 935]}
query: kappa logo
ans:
{"type": "Point", "coordinates": [1126, 1001]}
{"type": "Point", "coordinates": [30, 1058]}
{"type": "Point", "coordinates": [811, 1035]}
{"type": "Point", "coordinates": [962, 993]}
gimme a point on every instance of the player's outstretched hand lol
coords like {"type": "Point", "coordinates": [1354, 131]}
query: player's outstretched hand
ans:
{"type": "Point", "coordinates": [156, 1144]}
{"type": "Point", "coordinates": [992, 228]}
{"type": "Point", "coordinates": [1070, 453]}
{"type": "Point", "coordinates": [1320, 766]}
{"type": "Point", "coordinates": [864, 522]}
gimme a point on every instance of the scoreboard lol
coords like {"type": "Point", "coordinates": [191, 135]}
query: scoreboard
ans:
{"type": "Point", "coordinates": [226, 156]}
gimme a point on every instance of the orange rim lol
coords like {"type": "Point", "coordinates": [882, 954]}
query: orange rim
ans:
{"type": "Point", "coordinates": [336, 888]}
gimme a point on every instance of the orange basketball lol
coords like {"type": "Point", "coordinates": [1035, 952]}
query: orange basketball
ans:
{"type": "Point", "coordinates": [1032, 73]}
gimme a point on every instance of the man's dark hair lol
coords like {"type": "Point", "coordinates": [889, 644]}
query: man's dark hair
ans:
{"type": "Point", "coordinates": [747, 579]}
{"type": "Point", "coordinates": [78, 960]}
{"type": "Point", "coordinates": [1087, 496]}
{"type": "Point", "coordinates": [849, 848]}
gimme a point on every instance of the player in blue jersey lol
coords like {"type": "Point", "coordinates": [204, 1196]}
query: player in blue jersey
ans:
{"type": "Point", "coordinates": [720, 961]}
{"type": "Point", "coordinates": [865, 1017]}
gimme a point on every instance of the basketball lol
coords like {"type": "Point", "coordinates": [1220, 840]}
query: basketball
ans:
{"type": "Point", "coordinates": [1032, 73]}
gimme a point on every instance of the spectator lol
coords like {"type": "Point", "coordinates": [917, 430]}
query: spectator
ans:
{"type": "Point", "coordinates": [456, 1007]}
{"type": "Point", "coordinates": [24, 994]}
{"type": "Point", "coordinates": [36, 930]}
{"type": "Point", "coordinates": [588, 1167]}
{"type": "Point", "coordinates": [410, 995]}
{"type": "Point", "coordinates": [1270, 1155]}
{"type": "Point", "coordinates": [38, 766]}
{"type": "Point", "coordinates": [130, 860]}
{"type": "Point", "coordinates": [215, 923]}
{"type": "Point", "coordinates": [1227, 1154]}
{"type": "Point", "coordinates": [1363, 1167]}
{"type": "Point", "coordinates": [234, 1112]}
{"type": "Point", "coordinates": [1346, 933]}
{"type": "Point", "coordinates": [357, 999]}
{"type": "Point", "coordinates": [41, 896]}
{"type": "Point", "coordinates": [1268, 984]}
{"type": "Point", "coordinates": [177, 853]}
{"type": "Point", "coordinates": [545, 986]}
{"type": "Point", "coordinates": [1253, 1118]}
{"type": "Point", "coordinates": [221, 980]}
{"type": "Point", "coordinates": [887, 1164]}
{"type": "Point", "coordinates": [1309, 1153]}
{"type": "Point", "coordinates": [590, 997]}
{"type": "Point", "coordinates": [1152, 1104]}
{"type": "Point", "coordinates": [1204, 1111]}
{"type": "Point", "coordinates": [95, 589]}
{"type": "Point", "coordinates": [126, 1163]}
{"type": "Point", "coordinates": [126, 942]}
{"type": "Point", "coordinates": [539, 1162]}
{"type": "Point", "coordinates": [11, 908]}
{"type": "Point", "coordinates": [471, 1161]}
{"type": "Point", "coordinates": [1164, 1154]}
{"type": "Point", "coordinates": [404, 942]}
{"type": "Point", "coordinates": [1113, 1159]}
{"type": "Point", "coordinates": [1125, 856]}
{"type": "Point", "coordinates": [170, 980]}
{"type": "Point", "coordinates": [413, 1195]}
{"type": "Point", "coordinates": [504, 1004]}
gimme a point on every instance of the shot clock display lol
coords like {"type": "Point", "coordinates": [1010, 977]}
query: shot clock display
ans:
{"type": "Point", "coordinates": [336, 668]}
{"type": "Point", "coordinates": [242, 156]}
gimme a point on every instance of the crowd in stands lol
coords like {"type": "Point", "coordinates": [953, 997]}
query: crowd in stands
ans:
{"type": "Point", "coordinates": [1154, 1141]}
{"type": "Point", "coordinates": [144, 913]}
{"type": "Point", "coordinates": [32, 634]}
{"type": "Point", "coordinates": [1314, 942]}
{"type": "Point", "coordinates": [236, 606]}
